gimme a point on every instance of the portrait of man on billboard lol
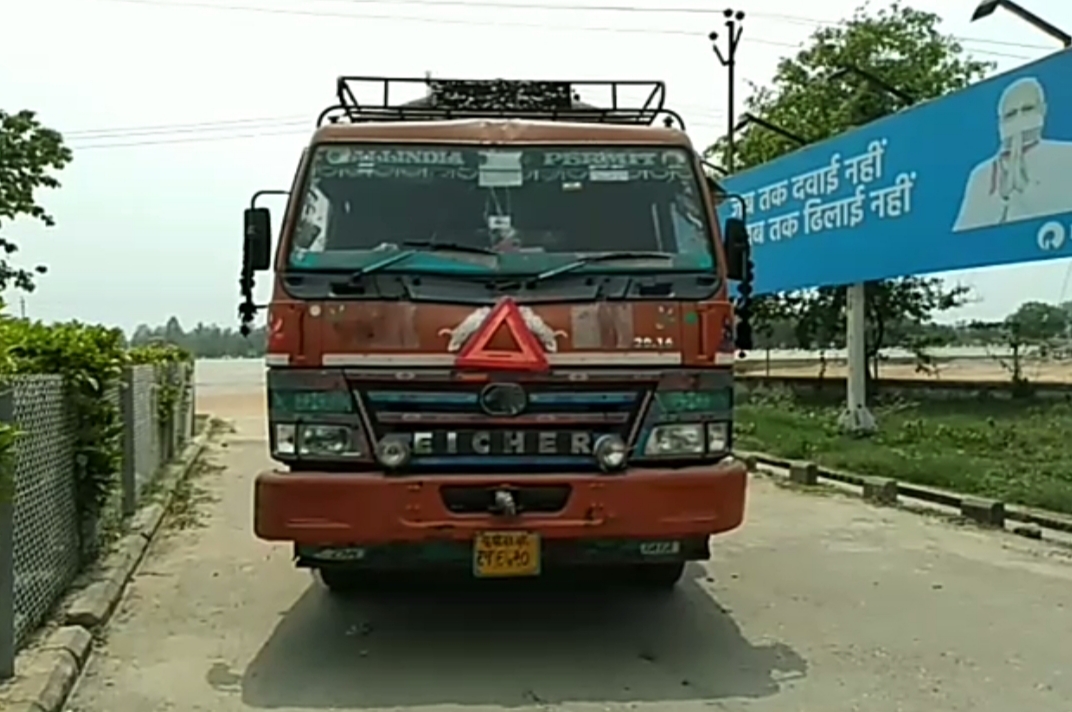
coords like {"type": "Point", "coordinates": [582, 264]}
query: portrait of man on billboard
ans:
{"type": "Point", "coordinates": [1029, 177]}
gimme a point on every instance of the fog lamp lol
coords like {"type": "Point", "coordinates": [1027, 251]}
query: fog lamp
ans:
{"type": "Point", "coordinates": [393, 452]}
{"type": "Point", "coordinates": [610, 452]}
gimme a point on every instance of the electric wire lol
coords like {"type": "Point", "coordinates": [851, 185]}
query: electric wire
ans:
{"type": "Point", "coordinates": [491, 4]}
{"type": "Point", "coordinates": [257, 127]}
{"type": "Point", "coordinates": [701, 32]}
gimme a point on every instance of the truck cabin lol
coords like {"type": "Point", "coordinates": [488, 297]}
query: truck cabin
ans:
{"type": "Point", "coordinates": [507, 179]}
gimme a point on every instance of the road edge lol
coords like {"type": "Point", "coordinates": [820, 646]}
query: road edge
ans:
{"type": "Point", "coordinates": [50, 676]}
{"type": "Point", "coordinates": [990, 513]}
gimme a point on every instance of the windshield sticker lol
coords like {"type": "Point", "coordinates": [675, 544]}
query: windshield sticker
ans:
{"type": "Point", "coordinates": [607, 159]}
{"type": "Point", "coordinates": [504, 238]}
{"type": "Point", "coordinates": [501, 169]}
{"type": "Point", "coordinates": [312, 228]}
{"type": "Point", "coordinates": [604, 175]}
{"type": "Point", "coordinates": [349, 155]}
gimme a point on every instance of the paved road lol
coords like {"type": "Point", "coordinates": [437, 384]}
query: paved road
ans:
{"type": "Point", "coordinates": [819, 603]}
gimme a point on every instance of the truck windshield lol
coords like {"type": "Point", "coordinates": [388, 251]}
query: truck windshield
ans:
{"type": "Point", "coordinates": [505, 209]}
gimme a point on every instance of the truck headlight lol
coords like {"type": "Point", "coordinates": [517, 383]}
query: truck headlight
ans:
{"type": "Point", "coordinates": [332, 440]}
{"type": "Point", "coordinates": [718, 437]}
{"type": "Point", "coordinates": [681, 439]}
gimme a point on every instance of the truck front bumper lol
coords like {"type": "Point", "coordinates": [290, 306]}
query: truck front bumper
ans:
{"type": "Point", "coordinates": [340, 510]}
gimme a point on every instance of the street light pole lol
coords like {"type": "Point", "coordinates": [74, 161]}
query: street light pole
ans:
{"type": "Point", "coordinates": [729, 61]}
{"type": "Point", "coordinates": [986, 8]}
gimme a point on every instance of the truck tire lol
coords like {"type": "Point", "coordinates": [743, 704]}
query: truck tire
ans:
{"type": "Point", "coordinates": [340, 581]}
{"type": "Point", "coordinates": [659, 577]}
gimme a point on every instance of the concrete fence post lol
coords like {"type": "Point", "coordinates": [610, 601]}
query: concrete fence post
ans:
{"type": "Point", "coordinates": [163, 432]}
{"type": "Point", "coordinates": [7, 555]}
{"type": "Point", "coordinates": [175, 426]}
{"type": "Point", "coordinates": [128, 476]}
{"type": "Point", "coordinates": [191, 403]}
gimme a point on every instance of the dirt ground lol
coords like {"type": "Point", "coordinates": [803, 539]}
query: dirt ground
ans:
{"type": "Point", "coordinates": [978, 370]}
{"type": "Point", "coordinates": [818, 603]}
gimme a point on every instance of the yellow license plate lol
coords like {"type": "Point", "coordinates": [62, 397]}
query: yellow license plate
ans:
{"type": "Point", "coordinates": [497, 554]}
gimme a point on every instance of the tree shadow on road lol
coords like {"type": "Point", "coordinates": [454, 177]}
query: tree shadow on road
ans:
{"type": "Point", "coordinates": [510, 644]}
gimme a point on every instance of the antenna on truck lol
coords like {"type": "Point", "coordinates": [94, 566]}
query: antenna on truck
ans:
{"type": "Point", "coordinates": [498, 98]}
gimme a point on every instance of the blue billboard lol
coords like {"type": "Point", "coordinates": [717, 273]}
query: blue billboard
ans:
{"type": "Point", "coordinates": [980, 177]}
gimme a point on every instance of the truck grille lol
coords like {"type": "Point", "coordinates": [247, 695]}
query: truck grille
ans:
{"type": "Point", "coordinates": [452, 426]}
{"type": "Point", "coordinates": [531, 499]}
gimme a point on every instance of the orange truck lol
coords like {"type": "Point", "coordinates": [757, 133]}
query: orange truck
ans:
{"type": "Point", "coordinates": [500, 337]}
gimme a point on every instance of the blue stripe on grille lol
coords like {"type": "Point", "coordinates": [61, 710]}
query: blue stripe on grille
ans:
{"type": "Point", "coordinates": [420, 397]}
{"type": "Point", "coordinates": [446, 397]}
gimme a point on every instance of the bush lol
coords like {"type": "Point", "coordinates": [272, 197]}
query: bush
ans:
{"type": "Point", "coordinates": [91, 358]}
{"type": "Point", "coordinates": [8, 433]}
{"type": "Point", "coordinates": [174, 365]}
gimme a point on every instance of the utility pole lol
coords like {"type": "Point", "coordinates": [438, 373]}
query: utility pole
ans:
{"type": "Point", "coordinates": [729, 61]}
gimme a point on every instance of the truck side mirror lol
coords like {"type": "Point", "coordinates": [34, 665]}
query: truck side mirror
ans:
{"type": "Point", "coordinates": [738, 251]}
{"type": "Point", "coordinates": [258, 239]}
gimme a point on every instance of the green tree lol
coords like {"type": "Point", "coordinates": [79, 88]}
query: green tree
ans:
{"type": "Point", "coordinates": [204, 340]}
{"type": "Point", "coordinates": [1038, 324]}
{"type": "Point", "coordinates": [904, 48]}
{"type": "Point", "coordinates": [29, 155]}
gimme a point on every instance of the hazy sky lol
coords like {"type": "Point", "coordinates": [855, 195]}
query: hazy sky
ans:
{"type": "Point", "coordinates": [177, 110]}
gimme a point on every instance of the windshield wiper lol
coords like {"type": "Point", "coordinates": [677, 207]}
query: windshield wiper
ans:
{"type": "Point", "coordinates": [603, 257]}
{"type": "Point", "coordinates": [433, 246]}
{"type": "Point", "coordinates": [418, 246]}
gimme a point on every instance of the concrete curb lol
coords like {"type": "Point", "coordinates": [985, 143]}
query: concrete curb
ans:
{"type": "Point", "coordinates": [982, 511]}
{"type": "Point", "coordinates": [51, 675]}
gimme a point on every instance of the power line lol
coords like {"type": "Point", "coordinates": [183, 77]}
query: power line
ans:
{"type": "Point", "coordinates": [257, 124]}
{"type": "Point", "coordinates": [792, 19]}
{"type": "Point", "coordinates": [204, 126]}
{"type": "Point", "coordinates": [189, 139]}
{"type": "Point", "coordinates": [297, 121]}
{"type": "Point", "coordinates": [434, 21]}
{"type": "Point", "coordinates": [211, 135]}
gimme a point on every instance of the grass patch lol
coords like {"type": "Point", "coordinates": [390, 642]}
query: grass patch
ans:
{"type": "Point", "coordinates": [190, 497]}
{"type": "Point", "coordinates": [1017, 451]}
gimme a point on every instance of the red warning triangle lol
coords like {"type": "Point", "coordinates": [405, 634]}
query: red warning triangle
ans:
{"type": "Point", "coordinates": [525, 353]}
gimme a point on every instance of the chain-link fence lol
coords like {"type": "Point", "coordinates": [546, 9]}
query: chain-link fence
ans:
{"type": "Point", "coordinates": [49, 540]}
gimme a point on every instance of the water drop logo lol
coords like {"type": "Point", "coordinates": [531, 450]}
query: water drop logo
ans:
{"type": "Point", "coordinates": [1051, 236]}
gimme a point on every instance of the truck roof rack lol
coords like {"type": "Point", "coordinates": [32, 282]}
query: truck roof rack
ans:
{"type": "Point", "coordinates": [497, 98]}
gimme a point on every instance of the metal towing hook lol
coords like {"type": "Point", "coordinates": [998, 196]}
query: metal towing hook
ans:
{"type": "Point", "coordinates": [504, 503]}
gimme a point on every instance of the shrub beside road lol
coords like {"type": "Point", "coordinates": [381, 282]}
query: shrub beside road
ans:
{"type": "Point", "coordinates": [1016, 451]}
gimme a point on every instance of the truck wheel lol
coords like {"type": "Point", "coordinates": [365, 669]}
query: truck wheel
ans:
{"type": "Point", "coordinates": [659, 577]}
{"type": "Point", "coordinates": [339, 580]}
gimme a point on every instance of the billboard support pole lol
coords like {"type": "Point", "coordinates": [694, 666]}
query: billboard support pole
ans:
{"type": "Point", "coordinates": [729, 61]}
{"type": "Point", "coordinates": [856, 418]}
